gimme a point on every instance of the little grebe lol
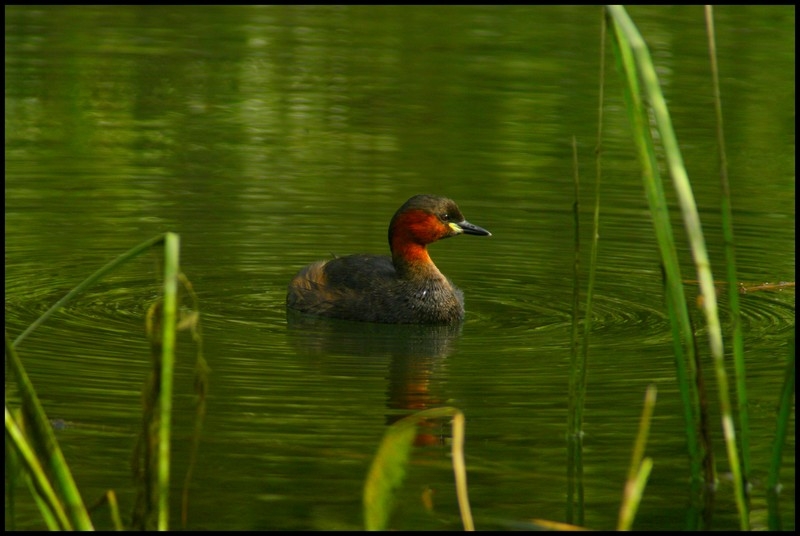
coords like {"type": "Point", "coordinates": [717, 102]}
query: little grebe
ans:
{"type": "Point", "coordinates": [404, 289]}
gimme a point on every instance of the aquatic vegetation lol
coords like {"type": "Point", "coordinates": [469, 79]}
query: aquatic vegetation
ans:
{"type": "Point", "coordinates": [40, 463]}
{"type": "Point", "coordinates": [30, 433]}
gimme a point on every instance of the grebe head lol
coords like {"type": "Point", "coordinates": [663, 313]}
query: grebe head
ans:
{"type": "Point", "coordinates": [422, 220]}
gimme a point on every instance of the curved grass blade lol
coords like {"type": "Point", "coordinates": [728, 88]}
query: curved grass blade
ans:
{"type": "Point", "coordinates": [640, 467]}
{"type": "Point", "coordinates": [44, 455]}
{"type": "Point", "coordinates": [638, 65]}
{"type": "Point", "coordinates": [23, 454]}
{"type": "Point", "coordinates": [88, 282]}
{"type": "Point", "coordinates": [388, 468]}
{"type": "Point", "coordinates": [387, 473]}
{"type": "Point", "coordinates": [682, 332]}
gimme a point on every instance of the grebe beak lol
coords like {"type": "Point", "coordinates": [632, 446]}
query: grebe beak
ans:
{"type": "Point", "coordinates": [469, 228]}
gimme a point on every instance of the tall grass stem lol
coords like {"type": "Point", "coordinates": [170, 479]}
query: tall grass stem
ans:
{"type": "Point", "coordinates": [785, 407]}
{"type": "Point", "coordinates": [168, 325]}
{"type": "Point", "coordinates": [682, 332]}
{"type": "Point", "coordinates": [638, 65]}
{"type": "Point", "coordinates": [577, 373]}
{"type": "Point", "coordinates": [730, 255]}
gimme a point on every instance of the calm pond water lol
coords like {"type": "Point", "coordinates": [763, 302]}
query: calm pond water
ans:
{"type": "Point", "coordinates": [270, 137]}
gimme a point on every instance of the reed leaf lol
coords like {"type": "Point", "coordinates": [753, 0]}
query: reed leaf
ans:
{"type": "Point", "coordinates": [153, 445]}
{"type": "Point", "coordinates": [579, 367]}
{"type": "Point", "coordinates": [89, 281]}
{"type": "Point", "coordinates": [61, 505]}
{"type": "Point", "coordinates": [638, 65]}
{"type": "Point", "coordinates": [388, 468]}
{"type": "Point", "coordinates": [785, 407]}
{"type": "Point", "coordinates": [682, 332]}
{"type": "Point", "coordinates": [55, 491]}
{"type": "Point", "coordinates": [168, 324]}
{"type": "Point", "coordinates": [640, 467]}
{"type": "Point", "coordinates": [386, 474]}
{"type": "Point", "coordinates": [730, 254]}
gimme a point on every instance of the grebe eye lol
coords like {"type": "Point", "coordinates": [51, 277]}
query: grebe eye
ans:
{"type": "Point", "coordinates": [445, 217]}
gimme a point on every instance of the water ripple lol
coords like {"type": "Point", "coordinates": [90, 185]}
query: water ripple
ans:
{"type": "Point", "coordinates": [514, 313]}
{"type": "Point", "coordinates": [115, 305]}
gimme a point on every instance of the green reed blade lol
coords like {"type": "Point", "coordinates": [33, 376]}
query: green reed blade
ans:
{"type": "Point", "coordinates": [785, 407]}
{"type": "Point", "coordinates": [640, 467]}
{"type": "Point", "coordinates": [39, 451]}
{"type": "Point", "coordinates": [682, 333]}
{"type": "Point", "coordinates": [168, 326]}
{"type": "Point", "coordinates": [110, 498]}
{"type": "Point", "coordinates": [638, 64]}
{"type": "Point", "coordinates": [22, 454]}
{"type": "Point", "coordinates": [151, 459]}
{"type": "Point", "coordinates": [579, 367]}
{"type": "Point", "coordinates": [88, 282]}
{"type": "Point", "coordinates": [730, 256]}
{"type": "Point", "coordinates": [158, 418]}
{"type": "Point", "coordinates": [151, 456]}
{"type": "Point", "coordinates": [113, 507]}
{"type": "Point", "coordinates": [389, 467]}
{"type": "Point", "coordinates": [386, 473]}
